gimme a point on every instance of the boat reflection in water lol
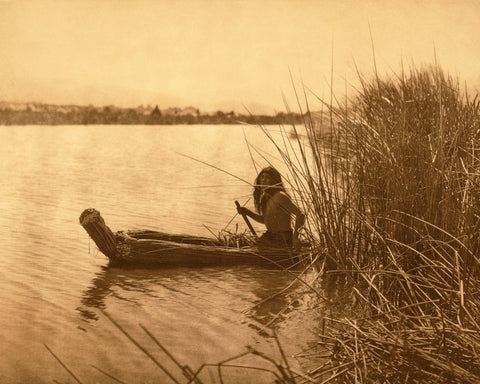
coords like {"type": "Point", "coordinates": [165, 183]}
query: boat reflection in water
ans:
{"type": "Point", "coordinates": [242, 293]}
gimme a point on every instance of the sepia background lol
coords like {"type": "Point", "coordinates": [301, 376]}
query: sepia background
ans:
{"type": "Point", "coordinates": [220, 54]}
{"type": "Point", "coordinates": [240, 56]}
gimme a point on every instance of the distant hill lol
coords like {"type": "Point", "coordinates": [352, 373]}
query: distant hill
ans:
{"type": "Point", "coordinates": [32, 113]}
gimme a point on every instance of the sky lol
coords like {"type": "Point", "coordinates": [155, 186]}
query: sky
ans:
{"type": "Point", "coordinates": [226, 54]}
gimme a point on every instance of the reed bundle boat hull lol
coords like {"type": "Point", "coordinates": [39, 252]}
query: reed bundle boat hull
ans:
{"type": "Point", "coordinates": [159, 248]}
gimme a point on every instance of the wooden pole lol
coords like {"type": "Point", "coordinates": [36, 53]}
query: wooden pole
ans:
{"type": "Point", "coordinates": [103, 236]}
{"type": "Point", "coordinates": [246, 220]}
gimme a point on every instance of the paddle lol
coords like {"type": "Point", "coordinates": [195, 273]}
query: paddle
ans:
{"type": "Point", "coordinates": [246, 220]}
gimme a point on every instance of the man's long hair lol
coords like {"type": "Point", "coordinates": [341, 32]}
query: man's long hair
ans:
{"type": "Point", "coordinates": [261, 195]}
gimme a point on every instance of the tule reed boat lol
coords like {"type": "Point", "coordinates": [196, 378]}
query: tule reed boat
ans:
{"type": "Point", "coordinates": [146, 247]}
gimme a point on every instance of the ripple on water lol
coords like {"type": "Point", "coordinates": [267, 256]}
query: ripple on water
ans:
{"type": "Point", "coordinates": [54, 283]}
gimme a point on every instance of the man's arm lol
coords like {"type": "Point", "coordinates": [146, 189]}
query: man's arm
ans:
{"type": "Point", "coordinates": [253, 215]}
{"type": "Point", "coordinates": [287, 204]}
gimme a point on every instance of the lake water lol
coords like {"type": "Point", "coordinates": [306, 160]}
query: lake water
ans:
{"type": "Point", "coordinates": [54, 283]}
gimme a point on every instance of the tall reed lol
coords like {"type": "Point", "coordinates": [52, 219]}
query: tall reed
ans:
{"type": "Point", "coordinates": [391, 184]}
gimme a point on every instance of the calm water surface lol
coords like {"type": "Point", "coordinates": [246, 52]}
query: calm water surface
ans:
{"type": "Point", "coordinates": [54, 282]}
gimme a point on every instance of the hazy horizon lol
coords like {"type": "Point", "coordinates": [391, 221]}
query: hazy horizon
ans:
{"type": "Point", "coordinates": [222, 55]}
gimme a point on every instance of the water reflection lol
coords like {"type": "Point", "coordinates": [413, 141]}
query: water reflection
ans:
{"type": "Point", "coordinates": [259, 295]}
{"type": "Point", "coordinates": [54, 173]}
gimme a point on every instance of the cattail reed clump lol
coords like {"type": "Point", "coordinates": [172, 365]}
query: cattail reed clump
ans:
{"type": "Point", "coordinates": [235, 239]}
{"type": "Point", "coordinates": [391, 186]}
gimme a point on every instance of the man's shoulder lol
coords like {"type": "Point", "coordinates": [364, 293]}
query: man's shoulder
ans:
{"type": "Point", "coordinates": [281, 196]}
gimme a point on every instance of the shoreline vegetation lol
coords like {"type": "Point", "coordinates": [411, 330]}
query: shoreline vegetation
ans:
{"type": "Point", "coordinates": [49, 114]}
{"type": "Point", "coordinates": [392, 195]}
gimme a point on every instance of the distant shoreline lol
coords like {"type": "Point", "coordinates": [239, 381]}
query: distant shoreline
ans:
{"type": "Point", "coordinates": [48, 114]}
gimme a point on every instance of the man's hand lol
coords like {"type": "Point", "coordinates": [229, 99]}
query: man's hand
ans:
{"type": "Point", "coordinates": [242, 211]}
